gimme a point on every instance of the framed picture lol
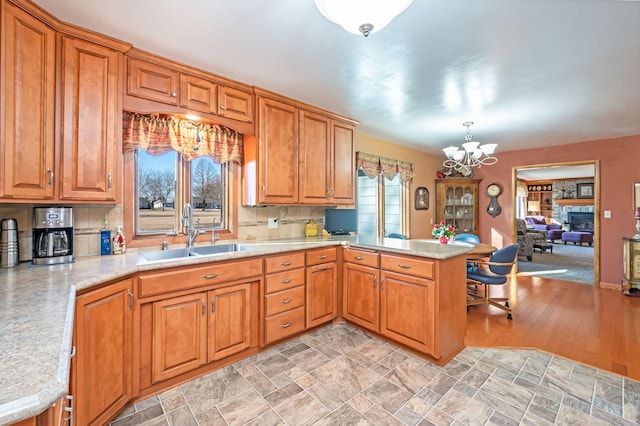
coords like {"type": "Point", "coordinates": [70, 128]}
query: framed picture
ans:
{"type": "Point", "coordinates": [585, 190]}
{"type": "Point", "coordinates": [421, 198]}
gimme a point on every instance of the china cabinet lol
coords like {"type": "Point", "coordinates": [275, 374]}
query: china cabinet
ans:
{"type": "Point", "coordinates": [457, 203]}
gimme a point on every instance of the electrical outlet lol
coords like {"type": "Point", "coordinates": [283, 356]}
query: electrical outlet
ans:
{"type": "Point", "coordinates": [272, 222]}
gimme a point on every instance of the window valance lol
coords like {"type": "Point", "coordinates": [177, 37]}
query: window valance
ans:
{"type": "Point", "coordinates": [160, 133]}
{"type": "Point", "coordinates": [374, 165]}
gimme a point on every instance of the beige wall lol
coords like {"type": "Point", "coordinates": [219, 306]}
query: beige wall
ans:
{"type": "Point", "coordinates": [425, 166]}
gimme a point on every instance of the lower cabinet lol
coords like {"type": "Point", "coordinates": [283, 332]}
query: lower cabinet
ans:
{"type": "Point", "coordinates": [179, 335]}
{"type": "Point", "coordinates": [101, 373]}
{"type": "Point", "coordinates": [321, 286]}
{"type": "Point", "coordinates": [361, 298]}
{"type": "Point", "coordinates": [195, 329]}
{"type": "Point", "coordinates": [407, 310]}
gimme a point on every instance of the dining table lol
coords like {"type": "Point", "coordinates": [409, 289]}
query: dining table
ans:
{"type": "Point", "coordinates": [481, 250]}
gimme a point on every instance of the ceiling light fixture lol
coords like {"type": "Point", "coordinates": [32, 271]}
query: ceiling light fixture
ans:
{"type": "Point", "coordinates": [471, 155]}
{"type": "Point", "coordinates": [362, 16]}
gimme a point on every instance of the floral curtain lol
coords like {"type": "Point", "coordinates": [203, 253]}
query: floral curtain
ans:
{"type": "Point", "coordinates": [160, 133]}
{"type": "Point", "coordinates": [374, 165]}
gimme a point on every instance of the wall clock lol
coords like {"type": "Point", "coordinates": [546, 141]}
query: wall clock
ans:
{"type": "Point", "coordinates": [493, 191]}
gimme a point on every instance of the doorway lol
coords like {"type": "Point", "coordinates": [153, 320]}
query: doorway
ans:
{"type": "Point", "coordinates": [560, 192]}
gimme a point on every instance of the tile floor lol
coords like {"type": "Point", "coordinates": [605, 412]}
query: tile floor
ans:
{"type": "Point", "coordinates": [339, 375]}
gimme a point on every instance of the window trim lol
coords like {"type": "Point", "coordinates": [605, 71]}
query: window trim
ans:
{"type": "Point", "coordinates": [183, 187]}
{"type": "Point", "coordinates": [405, 200]}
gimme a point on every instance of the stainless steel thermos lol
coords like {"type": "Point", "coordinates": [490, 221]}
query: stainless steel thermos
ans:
{"type": "Point", "coordinates": [9, 256]}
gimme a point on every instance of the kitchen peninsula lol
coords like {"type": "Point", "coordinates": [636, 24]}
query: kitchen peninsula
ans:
{"type": "Point", "coordinates": [39, 303]}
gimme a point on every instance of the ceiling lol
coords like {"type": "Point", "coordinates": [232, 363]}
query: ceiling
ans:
{"type": "Point", "coordinates": [529, 73]}
{"type": "Point", "coordinates": [556, 172]}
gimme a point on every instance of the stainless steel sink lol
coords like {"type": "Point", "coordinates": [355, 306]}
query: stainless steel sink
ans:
{"type": "Point", "coordinates": [153, 256]}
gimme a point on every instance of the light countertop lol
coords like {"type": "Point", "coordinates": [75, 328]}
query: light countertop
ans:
{"type": "Point", "coordinates": [38, 304]}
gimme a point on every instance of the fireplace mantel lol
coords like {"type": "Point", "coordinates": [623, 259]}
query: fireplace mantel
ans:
{"type": "Point", "coordinates": [574, 201]}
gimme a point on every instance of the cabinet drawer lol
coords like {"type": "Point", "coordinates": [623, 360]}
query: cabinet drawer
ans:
{"type": "Point", "coordinates": [284, 280]}
{"type": "Point", "coordinates": [366, 258]}
{"type": "Point", "coordinates": [284, 300]}
{"type": "Point", "coordinates": [284, 324]}
{"type": "Point", "coordinates": [407, 265]}
{"type": "Point", "coordinates": [182, 279]}
{"type": "Point", "coordinates": [284, 263]}
{"type": "Point", "coordinates": [316, 257]}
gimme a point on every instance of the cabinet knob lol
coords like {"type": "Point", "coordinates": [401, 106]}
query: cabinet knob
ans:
{"type": "Point", "coordinates": [174, 94]}
{"type": "Point", "coordinates": [223, 107]}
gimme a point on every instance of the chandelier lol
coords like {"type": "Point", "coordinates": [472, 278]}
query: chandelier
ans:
{"type": "Point", "coordinates": [362, 16]}
{"type": "Point", "coordinates": [471, 155]}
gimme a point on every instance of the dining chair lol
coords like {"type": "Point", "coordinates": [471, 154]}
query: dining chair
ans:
{"type": "Point", "coordinates": [492, 272]}
{"type": "Point", "coordinates": [396, 235]}
{"type": "Point", "coordinates": [468, 238]}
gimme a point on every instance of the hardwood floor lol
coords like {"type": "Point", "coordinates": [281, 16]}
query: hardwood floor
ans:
{"type": "Point", "coordinates": [594, 326]}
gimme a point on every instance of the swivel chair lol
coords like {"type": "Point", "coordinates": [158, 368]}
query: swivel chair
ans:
{"type": "Point", "coordinates": [499, 266]}
{"type": "Point", "coordinates": [468, 238]}
{"type": "Point", "coordinates": [396, 235]}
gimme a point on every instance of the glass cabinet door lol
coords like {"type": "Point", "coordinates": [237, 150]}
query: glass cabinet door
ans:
{"type": "Point", "coordinates": [459, 204]}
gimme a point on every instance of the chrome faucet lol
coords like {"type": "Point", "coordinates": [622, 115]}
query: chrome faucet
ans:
{"type": "Point", "coordinates": [187, 222]}
{"type": "Point", "coordinates": [214, 236]}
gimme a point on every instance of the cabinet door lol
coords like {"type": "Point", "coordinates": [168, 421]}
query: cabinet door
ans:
{"type": "Point", "coordinates": [278, 152]}
{"type": "Point", "coordinates": [229, 329]}
{"type": "Point", "coordinates": [235, 104]}
{"type": "Point", "coordinates": [90, 149]}
{"type": "Point", "coordinates": [344, 165]}
{"type": "Point", "coordinates": [322, 293]}
{"type": "Point", "coordinates": [179, 335]}
{"type": "Point", "coordinates": [27, 114]}
{"type": "Point", "coordinates": [407, 310]}
{"type": "Point", "coordinates": [101, 374]}
{"type": "Point", "coordinates": [361, 298]}
{"type": "Point", "coordinates": [153, 82]}
{"type": "Point", "coordinates": [315, 158]}
{"type": "Point", "coordinates": [198, 94]}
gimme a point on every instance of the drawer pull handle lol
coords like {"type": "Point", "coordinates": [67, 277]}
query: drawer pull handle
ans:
{"type": "Point", "coordinates": [324, 267]}
{"type": "Point", "coordinates": [210, 276]}
{"type": "Point", "coordinates": [285, 301]}
{"type": "Point", "coordinates": [374, 282]}
{"type": "Point", "coordinates": [359, 258]}
{"type": "Point", "coordinates": [287, 325]}
{"type": "Point", "coordinates": [323, 256]}
{"type": "Point", "coordinates": [404, 266]}
{"type": "Point", "coordinates": [287, 263]}
{"type": "Point", "coordinates": [287, 281]}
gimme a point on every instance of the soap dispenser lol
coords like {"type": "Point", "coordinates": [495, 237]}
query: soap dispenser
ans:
{"type": "Point", "coordinates": [119, 242]}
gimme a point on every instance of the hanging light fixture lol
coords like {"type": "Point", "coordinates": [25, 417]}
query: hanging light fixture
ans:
{"type": "Point", "coordinates": [471, 155]}
{"type": "Point", "coordinates": [362, 16]}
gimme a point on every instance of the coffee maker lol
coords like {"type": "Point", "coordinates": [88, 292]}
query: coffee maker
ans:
{"type": "Point", "coordinates": [52, 235]}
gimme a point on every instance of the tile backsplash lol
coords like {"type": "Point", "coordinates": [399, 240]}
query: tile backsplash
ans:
{"type": "Point", "coordinates": [89, 220]}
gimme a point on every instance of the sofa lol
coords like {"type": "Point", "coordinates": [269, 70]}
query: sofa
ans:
{"type": "Point", "coordinates": [539, 223]}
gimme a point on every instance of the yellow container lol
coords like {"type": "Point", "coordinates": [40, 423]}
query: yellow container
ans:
{"type": "Point", "coordinates": [311, 229]}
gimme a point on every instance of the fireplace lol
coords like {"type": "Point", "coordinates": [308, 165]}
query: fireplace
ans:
{"type": "Point", "coordinates": [580, 221]}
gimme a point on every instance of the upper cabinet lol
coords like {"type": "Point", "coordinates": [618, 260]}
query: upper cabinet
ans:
{"type": "Point", "coordinates": [181, 89]}
{"type": "Point", "coordinates": [52, 69]}
{"type": "Point", "coordinates": [300, 155]}
{"type": "Point", "coordinates": [90, 148]}
{"type": "Point", "coordinates": [27, 115]}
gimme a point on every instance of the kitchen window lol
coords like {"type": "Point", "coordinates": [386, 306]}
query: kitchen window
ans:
{"type": "Point", "coordinates": [382, 205]}
{"type": "Point", "coordinates": [161, 178]}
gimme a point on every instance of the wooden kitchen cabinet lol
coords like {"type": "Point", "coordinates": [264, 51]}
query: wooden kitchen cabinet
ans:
{"type": "Point", "coordinates": [321, 286]}
{"type": "Point", "coordinates": [179, 335]}
{"type": "Point", "coordinates": [361, 296]}
{"type": "Point", "coordinates": [407, 310]}
{"type": "Point", "coordinates": [284, 299]}
{"type": "Point", "coordinates": [101, 374]}
{"type": "Point", "coordinates": [159, 80]}
{"type": "Point", "coordinates": [229, 324]}
{"type": "Point", "coordinates": [299, 155]}
{"type": "Point", "coordinates": [90, 148]}
{"type": "Point", "coordinates": [326, 155]}
{"type": "Point", "coordinates": [27, 115]}
{"type": "Point", "coordinates": [457, 203]}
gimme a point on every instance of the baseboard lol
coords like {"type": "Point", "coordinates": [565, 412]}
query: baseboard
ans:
{"type": "Point", "coordinates": [610, 286]}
